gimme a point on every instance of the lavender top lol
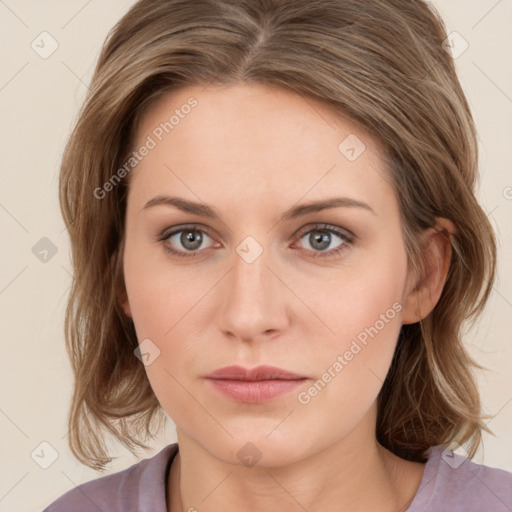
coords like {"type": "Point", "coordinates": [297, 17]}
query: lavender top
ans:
{"type": "Point", "coordinates": [450, 483]}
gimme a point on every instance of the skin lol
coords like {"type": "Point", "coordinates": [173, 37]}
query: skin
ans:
{"type": "Point", "coordinates": [251, 152]}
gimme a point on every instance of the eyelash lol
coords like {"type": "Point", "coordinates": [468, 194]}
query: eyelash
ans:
{"type": "Point", "coordinates": [348, 239]}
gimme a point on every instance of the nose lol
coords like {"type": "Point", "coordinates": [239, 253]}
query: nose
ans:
{"type": "Point", "coordinates": [254, 301]}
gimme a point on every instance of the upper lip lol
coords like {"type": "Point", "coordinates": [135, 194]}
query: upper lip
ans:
{"type": "Point", "coordinates": [253, 374]}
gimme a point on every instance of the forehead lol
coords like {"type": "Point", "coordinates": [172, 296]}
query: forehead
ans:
{"type": "Point", "coordinates": [253, 142]}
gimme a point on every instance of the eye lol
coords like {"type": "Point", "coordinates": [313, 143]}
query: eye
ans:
{"type": "Point", "coordinates": [190, 240]}
{"type": "Point", "coordinates": [187, 239]}
{"type": "Point", "coordinates": [322, 237]}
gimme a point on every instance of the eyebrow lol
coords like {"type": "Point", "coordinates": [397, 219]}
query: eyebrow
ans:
{"type": "Point", "coordinates": [203, 210]}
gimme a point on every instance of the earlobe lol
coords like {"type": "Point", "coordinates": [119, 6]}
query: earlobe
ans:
{"type": "Point", "coordinates": [436, 247]}
{"type": "Point", "coordinates": [124, 303]}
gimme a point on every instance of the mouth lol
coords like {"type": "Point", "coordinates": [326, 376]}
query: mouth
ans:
{"type": "Point", "coordinates": [256, 385]}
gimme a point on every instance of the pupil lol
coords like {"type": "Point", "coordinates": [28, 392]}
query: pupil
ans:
{"type": "Point", "coordinates": [194, 237]}
{"type": "Point", "coordinates": [322, 240]}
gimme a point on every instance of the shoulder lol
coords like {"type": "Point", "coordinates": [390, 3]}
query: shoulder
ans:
{"type": "Point", "coordinates": [453, 482]}
{"type": "Point", "coordinates": [139, 487]}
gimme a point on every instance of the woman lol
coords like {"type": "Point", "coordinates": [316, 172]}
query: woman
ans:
{"type": "Point", "coordinates": [276, 242]}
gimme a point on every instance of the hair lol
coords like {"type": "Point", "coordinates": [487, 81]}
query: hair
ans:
{"type": "Point", "coordinates": [380, 64]}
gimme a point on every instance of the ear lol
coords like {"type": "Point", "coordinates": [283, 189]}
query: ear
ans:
{"type": "Point", "coordinates": [122, 298]}
{"type": "Point", "coordinates": [426, 288]}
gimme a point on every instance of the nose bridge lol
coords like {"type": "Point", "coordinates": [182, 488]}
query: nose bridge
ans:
{"type": "Point", "coordinates": [252, 304]}
{"type": "Point", "coordinates": [250, 276]}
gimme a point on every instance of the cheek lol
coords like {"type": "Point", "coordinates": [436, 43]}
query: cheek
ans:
{"type": "Point", "coordinates": [362, 308]}
{"type": "Point", "coordinates": [160, 299]}
{"type": "Point", "coordinates": [159, 294]}
{"type": "Point", "coordinates": [365, 294]}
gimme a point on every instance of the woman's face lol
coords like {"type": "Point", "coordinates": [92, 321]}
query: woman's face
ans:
{"type": "Point", "coordinates": [257, 278]}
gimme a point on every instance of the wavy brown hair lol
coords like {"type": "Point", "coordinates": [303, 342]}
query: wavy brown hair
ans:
{"type": "Point", "coordinates": [379, 63]}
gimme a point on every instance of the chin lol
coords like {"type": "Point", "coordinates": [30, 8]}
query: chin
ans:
{"type": "Point", "coordinates": [256, 448]}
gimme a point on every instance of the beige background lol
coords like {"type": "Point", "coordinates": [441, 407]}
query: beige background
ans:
{"type": "Point", "coordinates": [39, 100]}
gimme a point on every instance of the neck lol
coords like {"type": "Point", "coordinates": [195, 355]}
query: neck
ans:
{"type": "Point", "coordinates": [345, 477]}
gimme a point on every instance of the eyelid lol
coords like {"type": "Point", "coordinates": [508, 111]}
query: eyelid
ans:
{"type": "Point", "coordinates": [301, 231]}
{"type": "Point", "coordinates": [167, 232]}
{"type": "Point", "coordinates": [328, 227]}
{"type": "Point", "coordinates": [165, 235]}
{"type": "Point", "coordinates": [346, 235]}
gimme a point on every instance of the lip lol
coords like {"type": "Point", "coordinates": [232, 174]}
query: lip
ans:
{"type": "Point", "coordinates": [255, 385]}
{"type": "Point", "coordinates": [254, 374]}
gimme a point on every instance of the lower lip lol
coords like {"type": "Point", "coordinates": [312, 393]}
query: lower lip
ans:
{"type": "Point", "coordinates": [255, 392]}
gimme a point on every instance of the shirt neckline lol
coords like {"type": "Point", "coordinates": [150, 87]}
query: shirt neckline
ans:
{"type": "Point", "coordinates": [429, 477]}
{"type": "Point", "coordinates": [430, 474]}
